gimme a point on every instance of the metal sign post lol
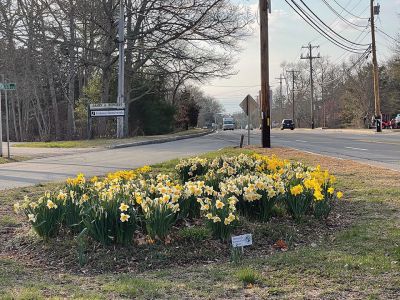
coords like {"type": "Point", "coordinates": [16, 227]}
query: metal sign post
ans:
{"type": "Point", "coordinates": [7, 125]}
{"type": "Point", "coordinates": [6, 87]}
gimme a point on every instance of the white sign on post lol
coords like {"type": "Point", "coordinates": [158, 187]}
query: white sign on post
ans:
{"type": "Point", "coordinates": [242, 240]}
{"type": "Point", "coordinates": [107, 113]}
{"type": "Point", "coordinates": [105, 106]}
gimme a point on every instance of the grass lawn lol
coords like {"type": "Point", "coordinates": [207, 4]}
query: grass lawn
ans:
{"type": "Point", "coordinates": [354, 255]}
{"type": "Point", "coordinates": [99, 142]}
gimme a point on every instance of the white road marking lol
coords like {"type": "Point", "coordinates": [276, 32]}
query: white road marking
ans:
{"type": "Point", "coordinates": [353, 148]}
{"type": "Point", "coordinates": [301, 141]}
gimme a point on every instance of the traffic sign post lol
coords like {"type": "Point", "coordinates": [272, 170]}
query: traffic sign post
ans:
{"type": "Point", "coordinates": [7, 125]}
{"type": "Point", "coordinates": [249, 105]}
{"type": "Point", "coordinates": [5, 86]}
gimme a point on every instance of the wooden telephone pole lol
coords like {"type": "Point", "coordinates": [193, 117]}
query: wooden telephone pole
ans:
{"type": "Point", "coordinates": [293, 72]}
{"type": "Point", "coordinates": [280, 78]}
{"type": "Point", "coordinates": [265, 8]}
{"type": "Point", "coordinates": [378, 114]}
{"type": "Point", "coordinates": [310, 57]}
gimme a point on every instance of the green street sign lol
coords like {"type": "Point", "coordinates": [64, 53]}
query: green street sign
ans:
{"type": "Point", "coordinates": [8, 86]}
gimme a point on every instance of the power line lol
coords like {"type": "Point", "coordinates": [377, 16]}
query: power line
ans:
{"type": "Point", "coordinates": [350, 13]}
{"type": "Point", "coordinates": [354, 25]}
{"type": "Point", "coordinates": [328, 27]}
{"type": "Point", "coordinates": [381, 31]}
{"type": "Point", "coordinates": [332, 23]}
{"type": "Point", "coordinates": [359, 60]}
{"type": "Point", "coordinates": [315, 26]}
{"type": "Point", "coordinates": [345, 54]}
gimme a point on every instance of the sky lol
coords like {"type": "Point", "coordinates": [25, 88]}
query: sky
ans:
{"type": "Point", "coordinates": [288, 33]}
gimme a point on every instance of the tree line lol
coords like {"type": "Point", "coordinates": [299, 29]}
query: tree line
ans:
{"type": "Point", "coordinates": [63, 56]}
{"type": "Point", "coordinates": [343, 91]}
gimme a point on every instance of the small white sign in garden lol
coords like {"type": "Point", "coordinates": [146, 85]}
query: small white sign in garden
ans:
{"type": "Point", "coordinates": [242, 240]}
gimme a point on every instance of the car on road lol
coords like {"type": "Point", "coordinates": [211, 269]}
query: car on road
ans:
{"type": "Point", "coordinates": [287, 124]}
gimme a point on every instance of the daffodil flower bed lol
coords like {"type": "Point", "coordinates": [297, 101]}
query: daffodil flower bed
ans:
{"type": "Point", "coordinates": [220, 192]}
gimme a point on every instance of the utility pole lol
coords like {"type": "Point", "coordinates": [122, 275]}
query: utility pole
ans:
{"type": "Point", "coordinates": [280, 93]}
{"type": "Point", "coordinates": [265, 8]}
{"type": "Point", "coordinates": [121, 68]}
{"type": "Point", "coordinates": [310, 57]}
{"type": "Point", "coordinates": [378, 114]}
{"type": "Point", "coordinates": [293, 72]}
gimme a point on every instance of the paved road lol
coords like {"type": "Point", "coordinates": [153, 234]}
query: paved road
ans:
{"type": "Point", "coordinates": [364, 146]}
{"type": "Point", "coordinates": [383, 150]}
{"type": "Point", "coordinates": [58, 168]}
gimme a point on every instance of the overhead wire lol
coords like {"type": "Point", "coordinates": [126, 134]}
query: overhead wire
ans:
{"type": "Point", "coordinates": [358, 61]}
{"type": "Point", "coordinates": [349, 12]}
{"type": "Point", "coordinates": [387, 35]}
{"type": "Point", "coordinates": [354, 25]}
{"type": "Point", "coordinates": [299, 11]}
{"type": "Point", "coordinates": [328, 27]}
{"type": "Point", "coordinates": [345, 54]}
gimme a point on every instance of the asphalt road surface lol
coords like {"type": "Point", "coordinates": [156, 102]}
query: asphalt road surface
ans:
{"type": "Point", "coordinates": [381, 149]}
{"type": "Point", "coordinates": [378, 149]}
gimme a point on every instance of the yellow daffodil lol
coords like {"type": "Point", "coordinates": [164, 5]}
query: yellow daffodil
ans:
{"type": "Point", "coordinates": [219, 204]}
{"type": "Point", "coordinates": [84, 198]}
{"type": "Point", "coordinates": [139, 199]}
{"type": "Point", "coordinates": [331, 190]}
{"type": "Point", "coordinates": [339, 195]}
{"type": "Point", "coordinates": [296, 190]}
{"type": "Point", "coordinates": [50, 204]}
{"type": "Point", "coordinates": [123, 207]}
{"type": "Point", "coordinates": [216, 219]}
{"type": "Point", "coordinates": [124, 217]}
{"type": "Point", "coordinates": [318, 196]}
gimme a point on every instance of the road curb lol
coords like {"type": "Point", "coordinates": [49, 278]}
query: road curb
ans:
{"type": "Point", "coordinates": [160, 141]}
